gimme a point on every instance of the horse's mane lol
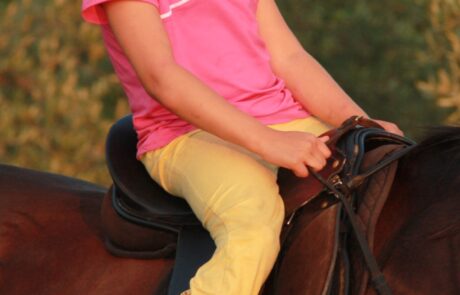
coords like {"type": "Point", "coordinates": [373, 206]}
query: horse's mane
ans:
{"type": "Point", "coordinates": [425, 197]}
{"type": "Point", "coordinates": [436, 155]}
{"type": "Point", "coordinates": [432, 174]}
{"type": "Point", "coordinates": [441, 139]}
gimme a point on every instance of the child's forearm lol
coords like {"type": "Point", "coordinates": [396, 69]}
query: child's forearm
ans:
{"type": "Point", "coordinates": [316, 90]}
{"type": "Point", "coordinates": [199, 105]}
{"type": "Point", "coordinates": [186, 96]}
{"type": "Point", "coordinates": [311, 85]}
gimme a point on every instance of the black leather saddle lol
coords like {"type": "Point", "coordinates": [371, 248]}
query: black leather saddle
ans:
{"type": "Point", "coordinates": [136, 198]}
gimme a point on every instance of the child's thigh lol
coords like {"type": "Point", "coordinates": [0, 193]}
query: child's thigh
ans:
{"type": "Point", "coordinates": [218, 178]}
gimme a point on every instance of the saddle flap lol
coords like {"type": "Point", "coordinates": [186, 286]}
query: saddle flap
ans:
{"type": "Point", "coordinates": [298, 192]}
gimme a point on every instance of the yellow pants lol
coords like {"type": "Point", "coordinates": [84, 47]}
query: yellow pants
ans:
{"type": "Point", "coordinates": [234, 193]}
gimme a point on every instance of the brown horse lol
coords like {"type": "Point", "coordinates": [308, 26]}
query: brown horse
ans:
{"type": "Point", "coordinates": [51, 239]}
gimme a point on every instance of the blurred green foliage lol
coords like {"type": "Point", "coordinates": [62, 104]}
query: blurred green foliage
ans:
{"type": "Point", "coordinates": [58, 93]}
{"type": "Point", "coordinates": [444, 44]}
{"type": "Point", "coordinates": [376, 50]}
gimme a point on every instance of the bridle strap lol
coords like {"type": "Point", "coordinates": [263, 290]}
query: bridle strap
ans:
{"type": "Point", "coordinates": [357, 180]}
{"type": "Point", "coordinates": [377, 278]}
{"type": "Point", "coordinates": [347, 125]}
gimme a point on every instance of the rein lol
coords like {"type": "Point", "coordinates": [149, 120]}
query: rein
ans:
{"type": "Point", "coordinates": [341, 192]}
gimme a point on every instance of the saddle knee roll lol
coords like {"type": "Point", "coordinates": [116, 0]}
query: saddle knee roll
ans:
{"type": "Point", "coordinates": [127, 239]}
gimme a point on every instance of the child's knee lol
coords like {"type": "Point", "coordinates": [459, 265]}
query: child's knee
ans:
{"type": "Point", "coordinates": [268, 238]}
{"type": "Point", "coordinates": [266, 209]}
{"type": "Point", "coordinates": [262, 243]}
{"type": "Point", "coordinates": [274, 217]}
{"type": "Point", "coordinates": [272, 211]}
{"type": "Point", "coordinates": [265, 229]}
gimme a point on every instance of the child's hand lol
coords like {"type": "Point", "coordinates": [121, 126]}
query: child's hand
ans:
{"type": "Point", "coordinates": [295, 151]}
{"type": "Point", "coordinates": [390, 127]}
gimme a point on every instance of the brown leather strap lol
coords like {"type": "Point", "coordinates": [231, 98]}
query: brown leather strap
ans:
{"type": "Point", "coordinates": [377, 278]}
{"type": "Point", "coordinates": [347, 125]}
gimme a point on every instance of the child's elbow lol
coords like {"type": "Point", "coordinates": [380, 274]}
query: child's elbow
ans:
{"type": "Point", "coordinates": [156, 77]}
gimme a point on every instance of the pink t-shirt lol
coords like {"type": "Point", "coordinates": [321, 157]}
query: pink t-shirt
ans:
{"type": "Point", "coordinates": [219, 42]}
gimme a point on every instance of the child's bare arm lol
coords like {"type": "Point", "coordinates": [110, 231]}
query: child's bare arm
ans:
{"type": "Point", "coordinates": [138, 28]}
{"type": "Point", "coordinates": [309, 82]}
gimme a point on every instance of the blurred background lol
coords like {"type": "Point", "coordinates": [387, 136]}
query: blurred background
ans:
{"type": "Point", "coordinates": [399, 59]}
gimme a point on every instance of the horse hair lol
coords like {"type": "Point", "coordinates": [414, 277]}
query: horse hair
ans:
{"type": "Point", "coordinates": [428, 179]}
{"type": "Point", "coordinates": [441, 139]}
{"type": "Point", "coordinates": [432, 173]}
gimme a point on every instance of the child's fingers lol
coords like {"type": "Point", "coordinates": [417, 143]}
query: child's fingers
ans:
{"type": "Point", "coordinates": [300, 170]}
{"type": "Point", "coordinates": [324, 138]}
{"type": "Point", "coordinates": [323, 148]}
{"type": "Point", "coordinates": [316, 162]}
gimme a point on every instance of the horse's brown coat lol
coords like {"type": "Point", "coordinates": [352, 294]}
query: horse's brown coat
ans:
{"type": "Point", "coordinates": [50, 239]}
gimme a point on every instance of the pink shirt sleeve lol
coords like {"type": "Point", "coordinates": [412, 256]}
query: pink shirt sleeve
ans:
{"type": "Point", "coordinates": [93, 12]}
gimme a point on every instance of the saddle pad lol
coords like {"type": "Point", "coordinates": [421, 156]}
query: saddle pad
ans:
{"type": "Point", "coordinates": [371, 199]}
{"type": "Point", "coordinates": [307, 260]}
